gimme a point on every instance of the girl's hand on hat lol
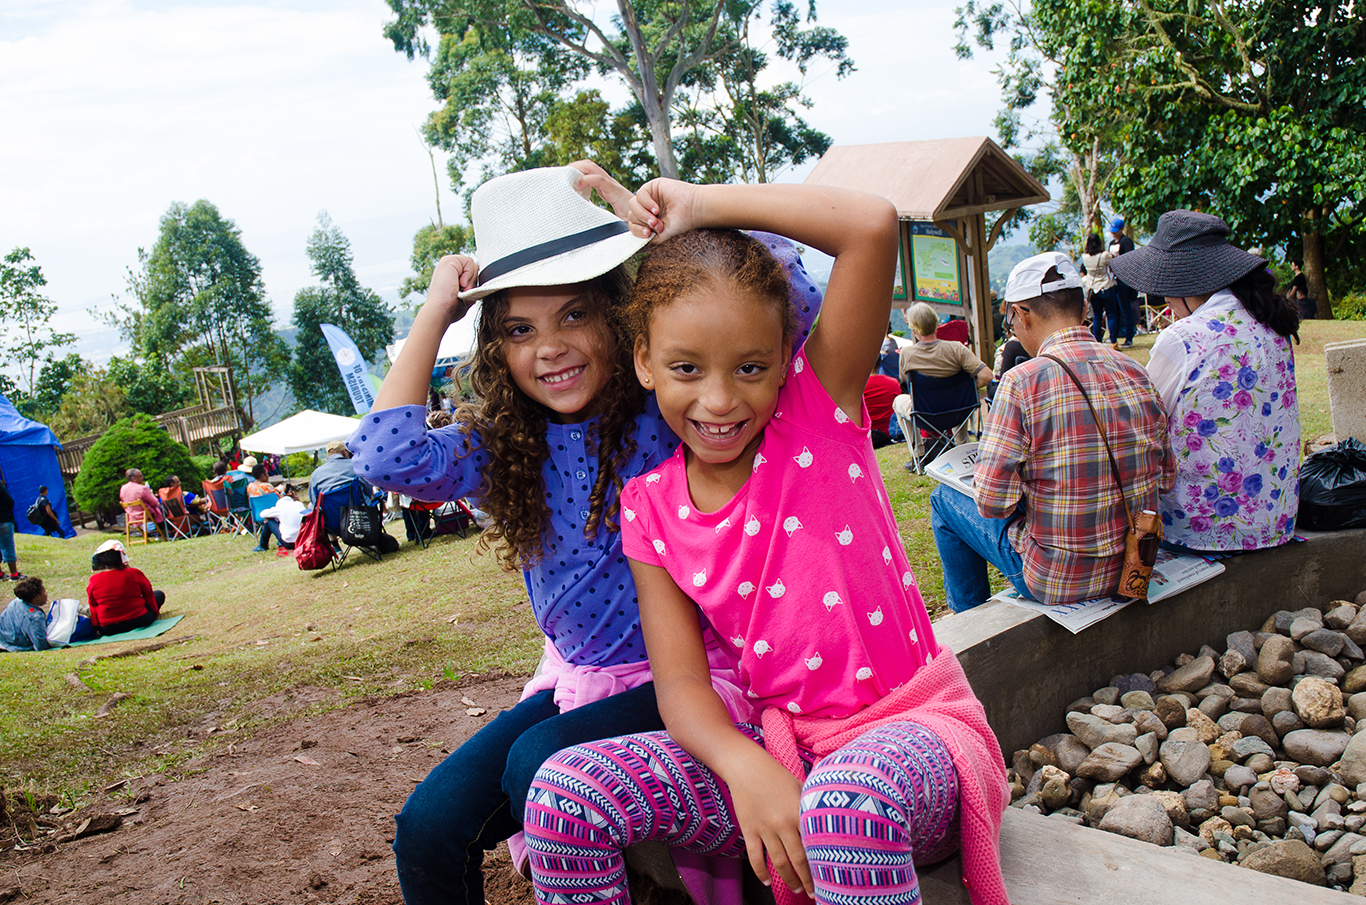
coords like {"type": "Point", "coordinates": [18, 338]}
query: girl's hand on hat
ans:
{"type": "Point", "coordinates": [596, 179]}
{"type": "Point", "coordinates": [663, 208]}
{"type": "Point", "coordinates": [452, 275]}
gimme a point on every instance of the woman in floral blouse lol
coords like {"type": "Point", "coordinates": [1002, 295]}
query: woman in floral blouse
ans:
{"type": "Point", "coordinates": [1226, 373]}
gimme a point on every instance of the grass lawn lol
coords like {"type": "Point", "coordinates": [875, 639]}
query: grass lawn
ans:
{"type": "Point", "coordinates": [257, 626]}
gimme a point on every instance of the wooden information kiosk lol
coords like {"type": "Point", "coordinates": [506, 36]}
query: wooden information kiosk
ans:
{"type": "Point", "coordinates": [942, 190]}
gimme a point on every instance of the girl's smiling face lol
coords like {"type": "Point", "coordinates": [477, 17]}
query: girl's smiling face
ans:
{"type": "Point", "coordinates": [558, 349]}
{"type": "Point", "coordinates": [716, 358]}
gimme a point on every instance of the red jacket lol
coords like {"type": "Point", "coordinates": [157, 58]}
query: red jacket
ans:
{"type": "Point", "coordinates": [117, 595]}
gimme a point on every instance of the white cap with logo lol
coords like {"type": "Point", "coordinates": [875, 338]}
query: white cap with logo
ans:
{"type": "Point", "coordinates": [1027, 279]}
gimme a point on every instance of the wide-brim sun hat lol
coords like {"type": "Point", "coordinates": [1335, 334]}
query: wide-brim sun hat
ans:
{"type": "Point", "coordinates": [533, 229]}
{"type": "Point", "coordinates": [1189, 255]}
{"type": "Point", "coordinates": [1027, 279]}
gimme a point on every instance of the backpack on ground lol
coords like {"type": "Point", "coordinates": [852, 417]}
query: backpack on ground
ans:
{"type": "Point", "coordinates": [312, 549]}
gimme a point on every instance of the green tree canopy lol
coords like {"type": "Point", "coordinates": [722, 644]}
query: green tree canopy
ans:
{"type": "Point", "coordinates": [26, 337]}
{"type": "Point", "coordinates": [1252, 111]}
{"type": "Point", "coordinates": [431, 243]}
{"type": "Point", "coordinates": [340, 301]}
{"type": "Point", "coordinates": [199, 301]}
{"type": "Point", "coordinates": [505, 68]}
{"type": "Point", "coordinates": [135, 442]}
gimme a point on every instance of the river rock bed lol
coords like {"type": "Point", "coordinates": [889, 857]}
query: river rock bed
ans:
{"type": "Point", "coordinates": [1249, 755]}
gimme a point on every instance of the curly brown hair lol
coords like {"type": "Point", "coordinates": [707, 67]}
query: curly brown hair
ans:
{"type": "Point", "coordinates": [724, 260]}
{"type": "Point", "coordinates": [511, 428]}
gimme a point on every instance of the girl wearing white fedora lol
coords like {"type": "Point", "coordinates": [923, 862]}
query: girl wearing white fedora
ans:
{"type": "Point", "coordinates": [559, 425]}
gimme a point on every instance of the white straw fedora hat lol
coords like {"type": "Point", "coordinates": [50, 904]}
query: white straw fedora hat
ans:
{"type": "Point", "coordinates": [532, 229]}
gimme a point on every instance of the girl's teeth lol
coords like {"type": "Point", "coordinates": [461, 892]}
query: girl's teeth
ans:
{"type": "Point", "coordinates": [561, 378]}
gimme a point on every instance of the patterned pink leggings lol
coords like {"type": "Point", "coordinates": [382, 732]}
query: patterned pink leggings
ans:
{"type": "Point", "coordinates": [870, 812]}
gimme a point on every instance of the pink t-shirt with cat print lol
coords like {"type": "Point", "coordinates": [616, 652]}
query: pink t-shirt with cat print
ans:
{"type": "Point", "coordinates": [803, 572]}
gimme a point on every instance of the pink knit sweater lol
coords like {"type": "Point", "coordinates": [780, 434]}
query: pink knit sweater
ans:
{"type": "Point", "coordinates": [939, 698]}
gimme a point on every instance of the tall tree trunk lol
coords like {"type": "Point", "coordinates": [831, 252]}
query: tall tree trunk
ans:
{"type": "Point", "coordinates": [1314, 264]}
{"type": "Point", "coordinates": [658, 117]}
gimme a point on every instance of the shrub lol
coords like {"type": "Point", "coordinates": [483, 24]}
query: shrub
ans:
{"type": "Point", "coordinates": [1351, 307]}
{"type": "Point", "coordinates": [299, 464]}
{"type": "Point", "coordinates": [135, 442]}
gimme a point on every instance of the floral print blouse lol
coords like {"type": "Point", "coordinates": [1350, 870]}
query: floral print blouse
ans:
{"type": "Point", "coordinates": [1227, 382]}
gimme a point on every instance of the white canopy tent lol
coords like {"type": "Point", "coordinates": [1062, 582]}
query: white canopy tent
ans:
{"type": "Point", "coordinates": [457, 341]}
{"type": "Point", "coordinates": [303, 432]}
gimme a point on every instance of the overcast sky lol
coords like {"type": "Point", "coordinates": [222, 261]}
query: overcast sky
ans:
{"type": "Point", "coordinates": [110, 110]}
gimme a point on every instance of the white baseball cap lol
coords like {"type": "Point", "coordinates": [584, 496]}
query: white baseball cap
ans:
{"type": "Point", "coordinates": [1026, 280]}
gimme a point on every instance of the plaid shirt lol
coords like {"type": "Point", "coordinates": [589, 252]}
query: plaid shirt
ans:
{"type": "Point", "coordinates": [1040, 446]}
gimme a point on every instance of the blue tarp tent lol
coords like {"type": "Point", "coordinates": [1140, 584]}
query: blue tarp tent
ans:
{"type": "Point", "coordinates": [28, 458]}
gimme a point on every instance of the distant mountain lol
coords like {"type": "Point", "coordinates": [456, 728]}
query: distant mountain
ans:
{"type": "Point", "coordinates": [1002, 259]}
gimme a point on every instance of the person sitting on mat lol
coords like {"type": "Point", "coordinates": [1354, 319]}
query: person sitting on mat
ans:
{"type": "Point", "coordinates": [121, 598]}
{"type": "Point", "coordinates": [23, 624]}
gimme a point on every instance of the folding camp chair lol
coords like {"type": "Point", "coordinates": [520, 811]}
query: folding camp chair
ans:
{"type": "Point", "coordinates": [260, 504]}
{"type": "Point", "coordinates": [357, 494]}
{"type": "Point", "coordinates": [237, 500]}
{"type": "Point", "coordinates": [220, 513]}
{"type": "Point", "coordinates": [177, 520]}
{"type": "Point", "coordinates": [944, 407]}
{"type": "Point", "coordinates": [423, 521]}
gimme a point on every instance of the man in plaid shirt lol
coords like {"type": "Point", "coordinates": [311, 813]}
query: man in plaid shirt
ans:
{"type": "Point", "coordinates": [1046, 511]}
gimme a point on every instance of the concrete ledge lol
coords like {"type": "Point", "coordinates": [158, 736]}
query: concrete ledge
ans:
{"type": "Point", "coordinates": [1048, 861]}
{"type": "Point", "coordinates": [1026, 669]}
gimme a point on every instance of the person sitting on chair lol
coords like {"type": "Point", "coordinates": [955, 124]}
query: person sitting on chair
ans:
{"type": "Point", "coordinates": [137, 491]}
{"type": "Point", "coordinates": [336, 473]}
{"type": "Point", "coordinates": [1046, 510]}
{"type": "Point", "coordinates": [283, 520]}
{"type": "Point", "coordinates": [878, 395]}
{"type": "Point", "coordinates": [933, 357]}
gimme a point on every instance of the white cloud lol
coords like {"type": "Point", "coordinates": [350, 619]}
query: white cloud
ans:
{"type": "Point", "coordinates": [274, 111]}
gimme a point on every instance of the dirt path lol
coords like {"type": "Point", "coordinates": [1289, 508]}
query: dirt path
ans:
{"type": "Point", "coordinates": [300, 813]}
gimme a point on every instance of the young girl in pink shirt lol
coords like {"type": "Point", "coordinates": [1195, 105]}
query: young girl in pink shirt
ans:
{"type": "Point", "coordinates": [861, 750]}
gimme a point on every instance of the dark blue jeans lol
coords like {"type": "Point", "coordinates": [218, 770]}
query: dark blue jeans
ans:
{"type": "Point", "coordinates": [1122, 314]}
{"type": "Point", "coordinates": [474, 799]}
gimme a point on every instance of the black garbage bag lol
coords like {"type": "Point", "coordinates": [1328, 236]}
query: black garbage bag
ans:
{"type": "Point", "coordinates": [1333, 487]}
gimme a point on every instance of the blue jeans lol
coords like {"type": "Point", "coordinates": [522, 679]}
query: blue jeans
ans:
{"type": "Point", "coordinates": [967, 541]}
{"type": "Point", "coordinates": [462, 810]}
{"type": "Point", "coordinates": [7, 542]}
{"type": "Point", "coordinates": [1122, 314]}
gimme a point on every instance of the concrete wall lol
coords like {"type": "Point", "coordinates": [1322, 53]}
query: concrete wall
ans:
{"type": "Point", "coordinates": [1026, 668]}
{"type": "Point", "coordinates": [1347, 387]}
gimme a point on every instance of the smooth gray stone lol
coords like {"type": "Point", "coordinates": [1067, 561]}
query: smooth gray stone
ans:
{"type": "Point", "coordinates": [1341, 850]}
{"type": "Point", "coordinates": [1070, 751]}
{"type": "Point", "coordinates": [1230, 722]}
{"type": "Point", "coordinates": [1266, 804]}
{"type": "Point", "coordinates": [1202, 801]}
{"type": "Point", "coordinates": [1351, 649]}
{"type": "Point", "coordinates": [1147, 745]}
{"type": "Point", "coordinates": [1275, 661]}
{"type": "Point", "coordinates": [1139, 700]}
{"type": "Point", "coordinates": [1185, 762]}
{"type": "Point", "coordinates": [1276, 699]}
{"type": "Point", "coordinates": [1214, 706]}
{"type": "Point", "coordinates": [1109, 762]}
{"type": "Point", "coordinates": [1139, 817]}
{"type": "Point", "coordinates": [1247, 746]}
{"type": "Point", "coordinates": [1301, 820]}
{"type": "Point", "coordinates": [1283, 619]}
{"type": "Point", "coordinates": [1191, 677]}
{"type": "Point", "coordinates": [1340, 617]}
{"type": "Point", "coordinates": [1188, 840]}
{"type": "Point", "coordinates": [1325, 839]}
{"type": "Point", "coordinates": [1236, 816]}
{"type": "Point", "coordinates": [1356, 706]}
{"type": "Point", "coordinates": [1094, 731]}
{"type": "Point", "coordinates": [1305, 621]}
{"type": "Point", "coordinates": [1254, 724]}
{"type": "Point", "coordinates": [1238, 777]}
{"type": "Point", "coordinates": [1357, 630]}
{"type": "Point", "coordinates": [1244, 643]}
{"type": "Point", "coordinates": [1313, 663]}
{"type": "Point", "coordinates": [1325, 641]}
{"type": "Point", "coordinates": [1353, 766]}
{"type": "Point", "coordinates": [1286, 722]}
{"type": "Point", "coordinates": [1107, 695]}
{"type": "Point", "coordinates": [1289, 858]}
{"type": "Point", "coordinates": [1247, 685]}
{"type": "Point", "coordinates": [1145, 721]}
{"type": "Point", "coordinates": [1260, 763]}
{"type": "Point", "coordinates": [1313, 775]}
{"type": "Point", "coordinates": [1319, 747]}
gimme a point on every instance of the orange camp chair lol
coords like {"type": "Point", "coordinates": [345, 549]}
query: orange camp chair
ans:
{"type": "Point", "coordinates": [177, 516]}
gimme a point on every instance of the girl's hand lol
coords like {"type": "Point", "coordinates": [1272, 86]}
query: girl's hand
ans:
{"type": "Point", "coordinates": [453, 274]}
{"type": "Point", "coordinates": [664, 208]}
{"type": "Point", "coordinates": [595, 178]}
{"type": "Point", "coordinates": [767, 801]}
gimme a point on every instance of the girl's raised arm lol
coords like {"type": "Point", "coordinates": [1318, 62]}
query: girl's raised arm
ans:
{"type": "Point", "coordinates": [407, 381]}
{"type": "Point", "coordinates": [859, 230]}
